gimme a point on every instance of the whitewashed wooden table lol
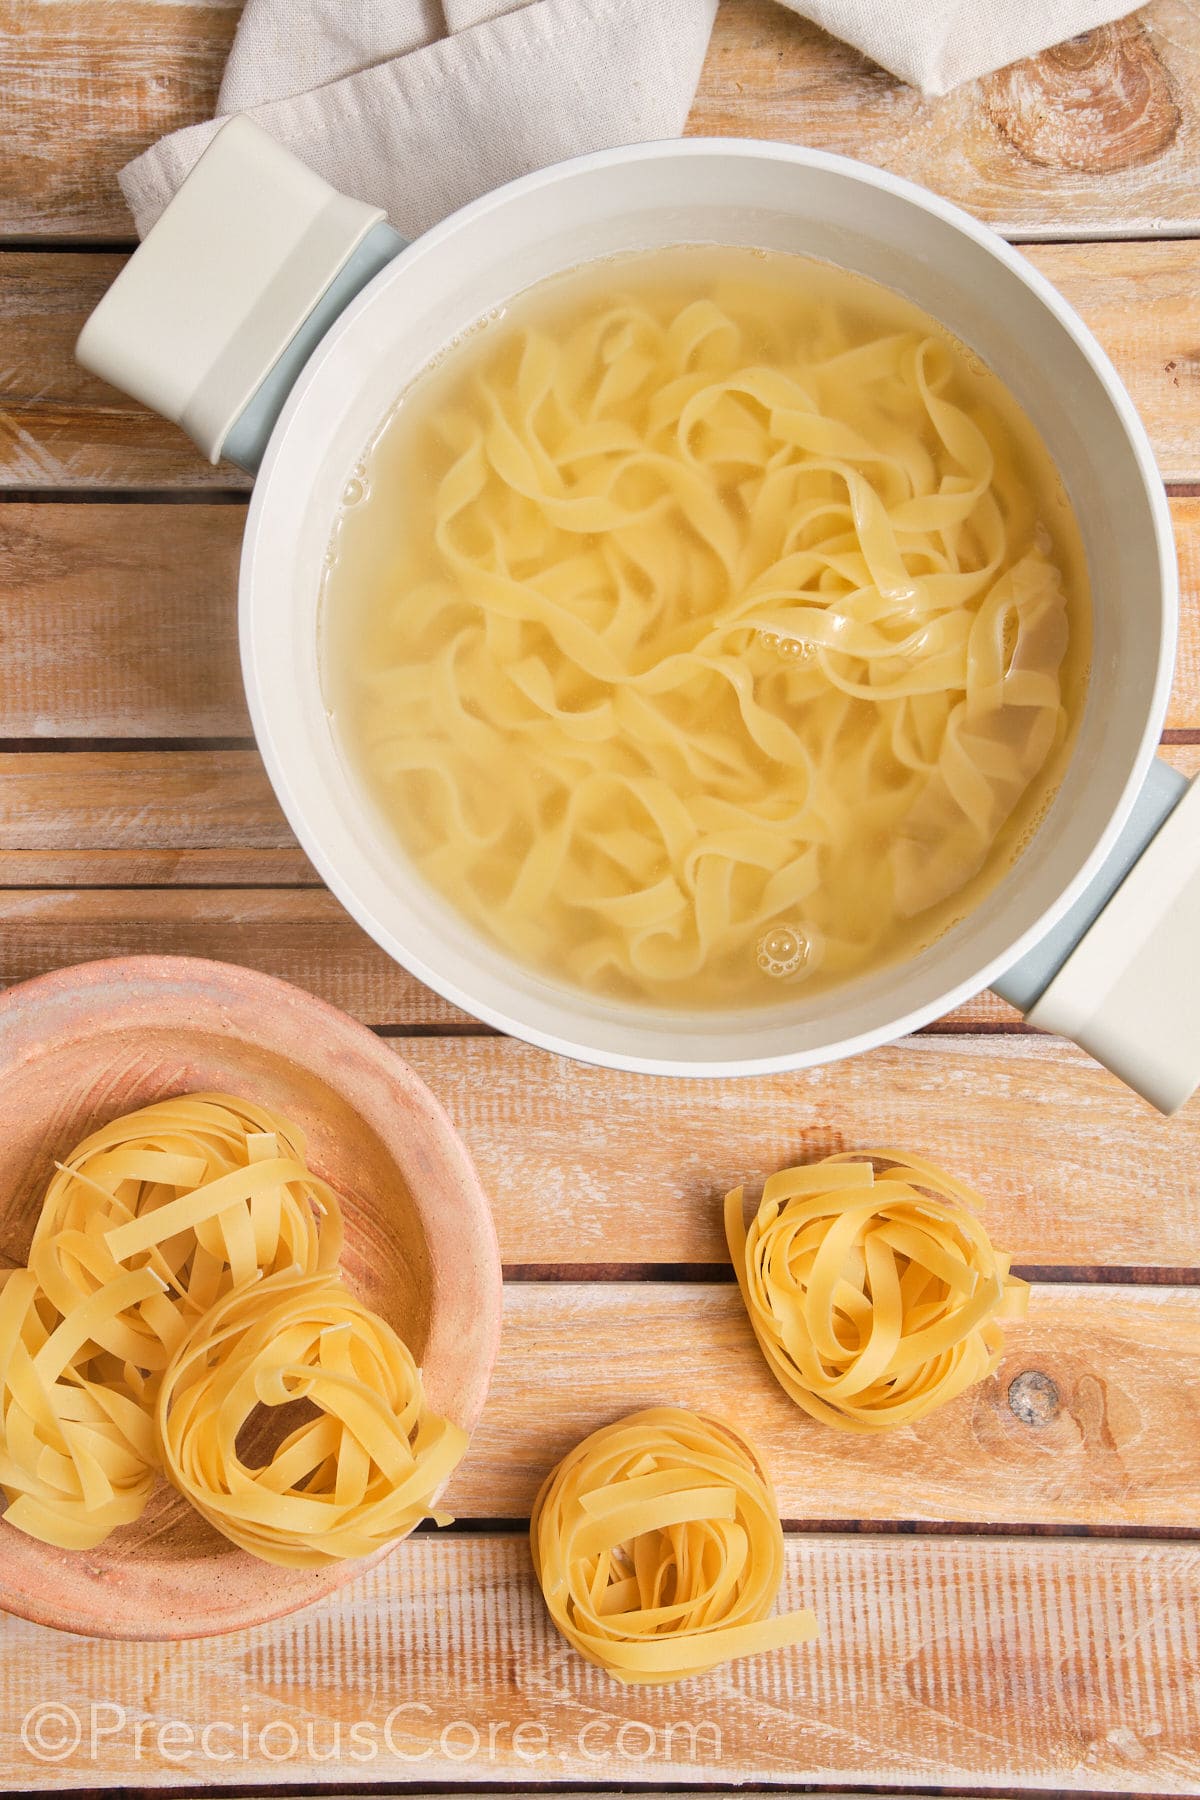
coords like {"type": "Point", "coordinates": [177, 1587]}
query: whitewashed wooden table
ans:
{"type": "Point", "coordinates": [1009, 1593]}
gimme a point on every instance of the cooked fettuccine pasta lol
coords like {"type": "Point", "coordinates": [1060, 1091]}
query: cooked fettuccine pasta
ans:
{"type": "Point", "coordinates": [708, 627]}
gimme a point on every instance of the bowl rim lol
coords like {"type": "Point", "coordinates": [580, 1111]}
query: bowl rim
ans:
{"type": "Point", "coordinates": [110, 988]}
{"type": "Point", "coordinates": [265, 497]}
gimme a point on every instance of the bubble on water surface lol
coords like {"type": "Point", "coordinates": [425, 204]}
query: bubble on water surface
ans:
{"type": "Point", "coordinates": [791, 649]}
{"type": "Point", "coordinates": [784, 950]}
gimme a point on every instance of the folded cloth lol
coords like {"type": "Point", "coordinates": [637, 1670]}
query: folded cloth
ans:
{"type": "Point", "coordinates": [935, 45]}
{"type": "Point", "coordinates": [420, 105]}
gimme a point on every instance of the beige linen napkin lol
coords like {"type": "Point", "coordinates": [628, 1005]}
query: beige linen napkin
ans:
{"type": "Point", "coordinates": [421, 105]}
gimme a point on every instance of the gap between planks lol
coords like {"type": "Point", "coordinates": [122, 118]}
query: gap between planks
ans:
{"type": "Point", "coordinates": [1111, 1274]}
{"type": "Point", "coordinates": [595, 1789]}
{"type": "Point", "coordinates": [884, 1528]}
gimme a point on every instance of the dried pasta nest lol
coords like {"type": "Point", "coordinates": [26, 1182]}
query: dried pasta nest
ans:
{"type": "Point", "coordinates": [189, 1243]}
{"type": "Point", "coordinates": [205, 1191]}
{"type": "Point", "coordinates": [659, 1550]}
{"type": "Point", "coordinates": [872, 1287]}
{"type": "Point", "coordinates": [356, 1474]}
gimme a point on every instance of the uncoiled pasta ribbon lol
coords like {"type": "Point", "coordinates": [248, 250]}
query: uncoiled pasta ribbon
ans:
{"type": "Point", "coordinates": [343, 1483]}
{"type": "Point", "coordinates": [659, 1551]}
{"type": "Point", "coordinates": [872, 1287]}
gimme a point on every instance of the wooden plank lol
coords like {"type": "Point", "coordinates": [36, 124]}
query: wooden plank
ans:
{"type": "Point", "coordinates": [139, 800]}
{"type": "Point", "coordinates": [68, 906]}
{"type": "Point", "coordinates": [61, 906]}
{"type": "Point", "coordinates": [302, 935]}
{"type": "Point", "coordinates": [80, 830]}
{"type": "Point", "coordinates": [120, 620]}
{"type": "Point", "coordinates": [1183, 709]}
{"type": "Point", "coordinates": [84, 93]}
{"type": "Point", "coordinates": [1122, 1449]}
{"type": "Point", "coordinates": [63, 428]}
{"type": "Point", "coordinates": [946, 1662]}
{"type": "Point", "coordinates": [1119, 1365]}
{"type": "Point", "coordinates": [588, 1165]}
{"type": "Point", "coordinates": [1097, 138]}
{"type": "Point", "coordinates": [176, 818]}
{"type": "Point", "coordinates": [187, 868]}
{"type": "Point", "coordinates": [305, 937]}
{"type": "Point", "coordinates": [204, 818]}
{"type": "Point", "coordinates": [1141, 302]}
{"type": "Point", "coordinates": [100, 823]}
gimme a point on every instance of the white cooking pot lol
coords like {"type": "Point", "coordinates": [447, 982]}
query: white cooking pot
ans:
{"type": "Point", "coordinates": [278, 321]}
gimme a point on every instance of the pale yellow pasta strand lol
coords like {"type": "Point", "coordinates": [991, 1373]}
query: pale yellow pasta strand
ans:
{"type": "Point", "coordinates": [77, 1459]}
{"type": "Point", "coordinates": [354, 1477]}
{"type": "Point", "coordinates": [205, 1190]}
{"type": "Point", "coordinates": [659, 1551]}
{"type": "Point", "coordinates": [872, 1286]}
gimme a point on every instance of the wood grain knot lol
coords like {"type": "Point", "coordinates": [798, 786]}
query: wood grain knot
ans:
{"type": "Point", "coordinates": [1097, 103]}
{"type": "Point", "coordinates": [1033, 1398]}
{"type": "Point", "coordinates": [1183, 368]}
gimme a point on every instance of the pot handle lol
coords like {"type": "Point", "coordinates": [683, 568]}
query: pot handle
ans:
{"type": "Point", "coordinates": [218, 310]}
{"type": "Point", "coordinates": [1120, 973]}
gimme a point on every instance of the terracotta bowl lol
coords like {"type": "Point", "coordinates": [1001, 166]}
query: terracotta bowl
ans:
{"type": "Point", "coordinates": [84, 1045]}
